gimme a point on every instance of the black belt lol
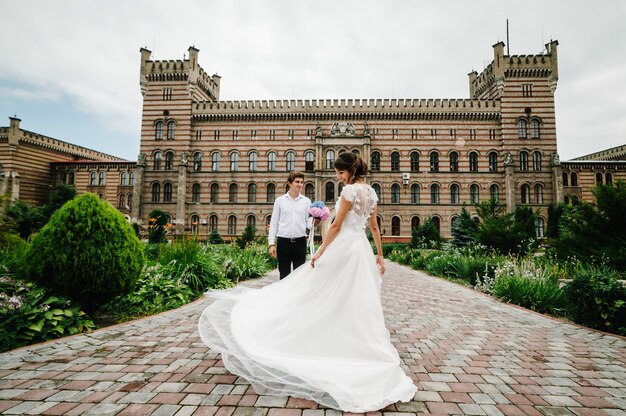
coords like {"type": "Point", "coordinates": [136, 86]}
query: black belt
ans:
{"type": "Point", "coordinates": [292, 239]}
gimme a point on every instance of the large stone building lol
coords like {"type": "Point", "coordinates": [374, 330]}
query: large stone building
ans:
{"type": "Point", "coordinates": [214, 164]}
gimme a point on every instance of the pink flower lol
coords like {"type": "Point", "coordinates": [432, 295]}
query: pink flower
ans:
{"type": "Point", "coordinates": [321, 213]}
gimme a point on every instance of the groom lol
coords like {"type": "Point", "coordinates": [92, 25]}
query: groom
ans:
{"type": "Point", "coordinates": [290, 219]}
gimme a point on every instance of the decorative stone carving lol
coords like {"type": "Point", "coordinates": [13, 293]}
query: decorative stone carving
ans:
{"type": "Point", "coordinates": [555, 159]}
{"type": "Point", "coordinates": [318, 130]}
{"type": "Point", "coordinates": [183, 158]}
{"type": "Point", "coordinates": [366, 129]}
{"type": "Point", "coordinates": [342, 129]}
{"type": "Point", "coordinates": [508, 160]}
{"type": "Point", "coordinates": [141, 159]}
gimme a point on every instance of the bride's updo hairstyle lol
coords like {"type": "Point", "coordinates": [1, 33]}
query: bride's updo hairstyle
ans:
{"type": "Point", "coordinates": [354, 164]}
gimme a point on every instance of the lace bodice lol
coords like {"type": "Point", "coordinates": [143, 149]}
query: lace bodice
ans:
{"type": "Point", "coordinates": [363, 199]}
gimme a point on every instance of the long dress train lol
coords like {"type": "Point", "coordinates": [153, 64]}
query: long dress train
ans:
{"type": "Point", "coordinates": [318, 334]}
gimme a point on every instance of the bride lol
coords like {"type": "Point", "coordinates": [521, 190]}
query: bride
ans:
{"type": "Point", "coordinates": [318, 334]}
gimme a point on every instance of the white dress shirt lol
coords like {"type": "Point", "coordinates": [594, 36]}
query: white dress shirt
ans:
{"type": "Point", "coordinates": [290, 217]}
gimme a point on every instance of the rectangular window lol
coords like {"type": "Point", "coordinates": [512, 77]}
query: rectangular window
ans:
{"type": "Point", "coordinates": [414, 134]}
{"type": "Point", "coordinates": [198, 134]}
{"type": "Point", "coordinates": [527, 90]}
{"type": "Point", "coordinates": [253, 134]}
{"type": "Point", "coordinates": [309, 134]}
{"type": "Point", "coordinates": [272, 134]}
{"type": "Point", "coordinates": [472, 134]}
{"type": "Point", "coordinates": [167, 94]}
{"type": "Point", "coordinates": [235, 134]}
{"type": "Point", "coordinates": [492, 134]}
{"type": "Point", "coordinates": [375, 132]}
{"type": "Point", "coordinates": [452, 134]}
{"type": "Point", "coordinates": [433, 134]}
{"type": "Point", "coordinates": [394, 134]}
{"type": "Point", "coordinates": [216, 135]}
{"type": "Point", "coordinates": [291, 134]}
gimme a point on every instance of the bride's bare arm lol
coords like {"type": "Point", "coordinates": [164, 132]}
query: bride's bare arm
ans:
{"type": "Point", "coordinates": [334, 228]}
{"type": "Point", "coordinates": [377, 239]}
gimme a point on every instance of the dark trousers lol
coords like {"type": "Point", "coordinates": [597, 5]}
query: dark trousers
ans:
{"type": "Point", "coordinates": [290, 251]}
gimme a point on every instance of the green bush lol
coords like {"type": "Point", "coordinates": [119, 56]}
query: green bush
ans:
{"type": "Point", "coordinates": [156, 291]}
{"type": "Point", "coordinates": [30, 314]}
{"type": "Point", "coordinates": [389, 247]}
{"type": "Point", "coordinates": [215, 237]}
{"type": "Point", "coordinates": [247, 263]}
{"type": "Point", "coordinates": [248, 237]}
{"type": "Point", "coordinates": [464, 229]}
{"type": "Point", "coordinates": [531, 286]}
{"type": "Point", "coordinates": [426, 235]}
{"type": "Point", "coordinates": [87, 251]}
{"type": "Point", "coordinates": [597, 299]}
{"type": "Point", "coordinates": [158, 224]}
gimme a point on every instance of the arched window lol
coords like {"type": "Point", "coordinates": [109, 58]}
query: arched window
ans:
{"type": "Point", "coordinates": [171, 127]}
{"type": "Point", "coordinates": [536, 160]}
{"type": "Point", "coordinates": [197, 161]}
{"type": "Point", "coordinates": [213, 223]}
{"type": "Point", "coordinates": [158, 130]}
{"type": "Point", "coordinates": [330, 159]}
{"type": "Point", "coordinates": [540, 227]}
{"type": "Point", "coordinates": [271, 192]}
{"type": "Point", "coordinates": [525, 194]}
{"type": "Point", "coordinates": [156, 192]}
{"type": "Point", "coordinates": [608, 178]}
{"type": "Point", "coordinates": [534, 129]}
{"type": "Point", "coordinates": [167, 192]}
{"type": "Point", "coordinates": [195, 221]}
{"type": "Point", "coordinates": [63, 178]}
{"type": "Point", "coordinates": [494, 192]}
{"type": "Point", "coordinates": [215, 192]}
{"type": "Point", "coordinates": [523, 161]}
{"type": "Point", "coordinates": [598, 178]}
{"type": "Point", "coordinates": [415, 194]}
{"type": "Point", "coordinates": [375, 161]}
{"type": "Point", "coordinates": [454, 193]}
{"type": "Point", "coordinates": [215, 161]}
{"type": "Point", "coordinates": [395, 225]}
{"type": "Point", "coordinates": [102, 179]}
{"type": "Point", "coordinates": [376, 188]}
{"type": "Point", "coordinates": [309, 191]}
{"type": "Point", "coordinates": [454, 162]}
{"type": "Point", "coordinates": [330, 192]}
{"type": "Point", "coordinates": [474, 194]}
{"type": "Point", "coordinates": [234, 161]}
{"type": "Point", "coordinates": [574, 181]}
{"type": "Point", "coordinates": [565, 179]}
{"type": "Point", "coordinates": [415, 162]}
{"type": "Point", "coordinates": [251, 221]}
{"type": "Point", "coordinates": [169, 161]}
{"type": "Point", "coordinates": [122, 201]}
{"type": "Point", "coordinates": [309, 161]}
{"type": "Point", "coordinates": [252, 193]}
{"type": "Point", "coordinates": [437, 223]}
{"type": "Point", "coordinates": [70, 178]}
{"type": "Point", "coordinates": [130, 201]}
{"type": "Point", "coordinates": [395, 161]}
{"type": "Point", "coordinates": [434, 194]}
{"type": "Point", "coordinates": [539, 193]}
{"type": "Point", "coordinates": [415, 222]}
{"type": "Point", "coordinates": [434, 162]}
{"type": "Point", "coordinates": [232, 193]}
{"type": "Point", "coordinates": [253, 160]}
{"type": "Point", "coordinates": [493, 161]}
{"type": "Point", "coordinates": [123, 177]}
{"type": "Point", "coordinates": [157, 161]}
{"type": "Point", "coordinates": [473, 162]}
{"type": "Point", "coordinates": [522, 130]}
{"type": "Point", "coordinates": [452, 220]}
{"type": "Point", "coordinates": [93, 178]}
{"type": "Point", "coordinates": [291, 161]}
{"type": "Point", "coordinates": [395, 193]}
{"type": "Point", "coordinates": [195, 192]}
{"type": "Point", "coordinates": [232, 225]}
{"type": "Point", "coordinates": [271, 161]}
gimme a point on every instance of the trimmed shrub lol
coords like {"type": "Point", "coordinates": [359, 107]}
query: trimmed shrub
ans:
{"type": "Point", "coordinates": [597, 299]}
{"type": "Point", "coordinates": [88, 251]}
{"type": "Point", "coordinates": [215, 237]}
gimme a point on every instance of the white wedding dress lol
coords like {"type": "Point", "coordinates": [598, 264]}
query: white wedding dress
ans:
{"type": "Point", "coordinates": [318, 334]}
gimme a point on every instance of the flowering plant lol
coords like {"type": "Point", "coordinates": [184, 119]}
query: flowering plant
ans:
{"type": "Point", "coordinates": [319, 210]}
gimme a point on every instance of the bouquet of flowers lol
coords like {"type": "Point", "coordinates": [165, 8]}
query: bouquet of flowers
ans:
{"type": "Point", "coordinates": [319, 210]}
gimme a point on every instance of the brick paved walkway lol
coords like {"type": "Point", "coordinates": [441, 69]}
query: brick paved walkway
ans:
{"type": "Point", "coordinates": [467, 353]}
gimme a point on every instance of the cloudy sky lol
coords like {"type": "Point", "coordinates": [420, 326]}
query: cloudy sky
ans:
{"type": "Point", "coordinates": [70, 69]}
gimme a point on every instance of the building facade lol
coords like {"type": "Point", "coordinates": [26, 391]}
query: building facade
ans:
{"type": "Point", "coordinates": [220, 164]}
